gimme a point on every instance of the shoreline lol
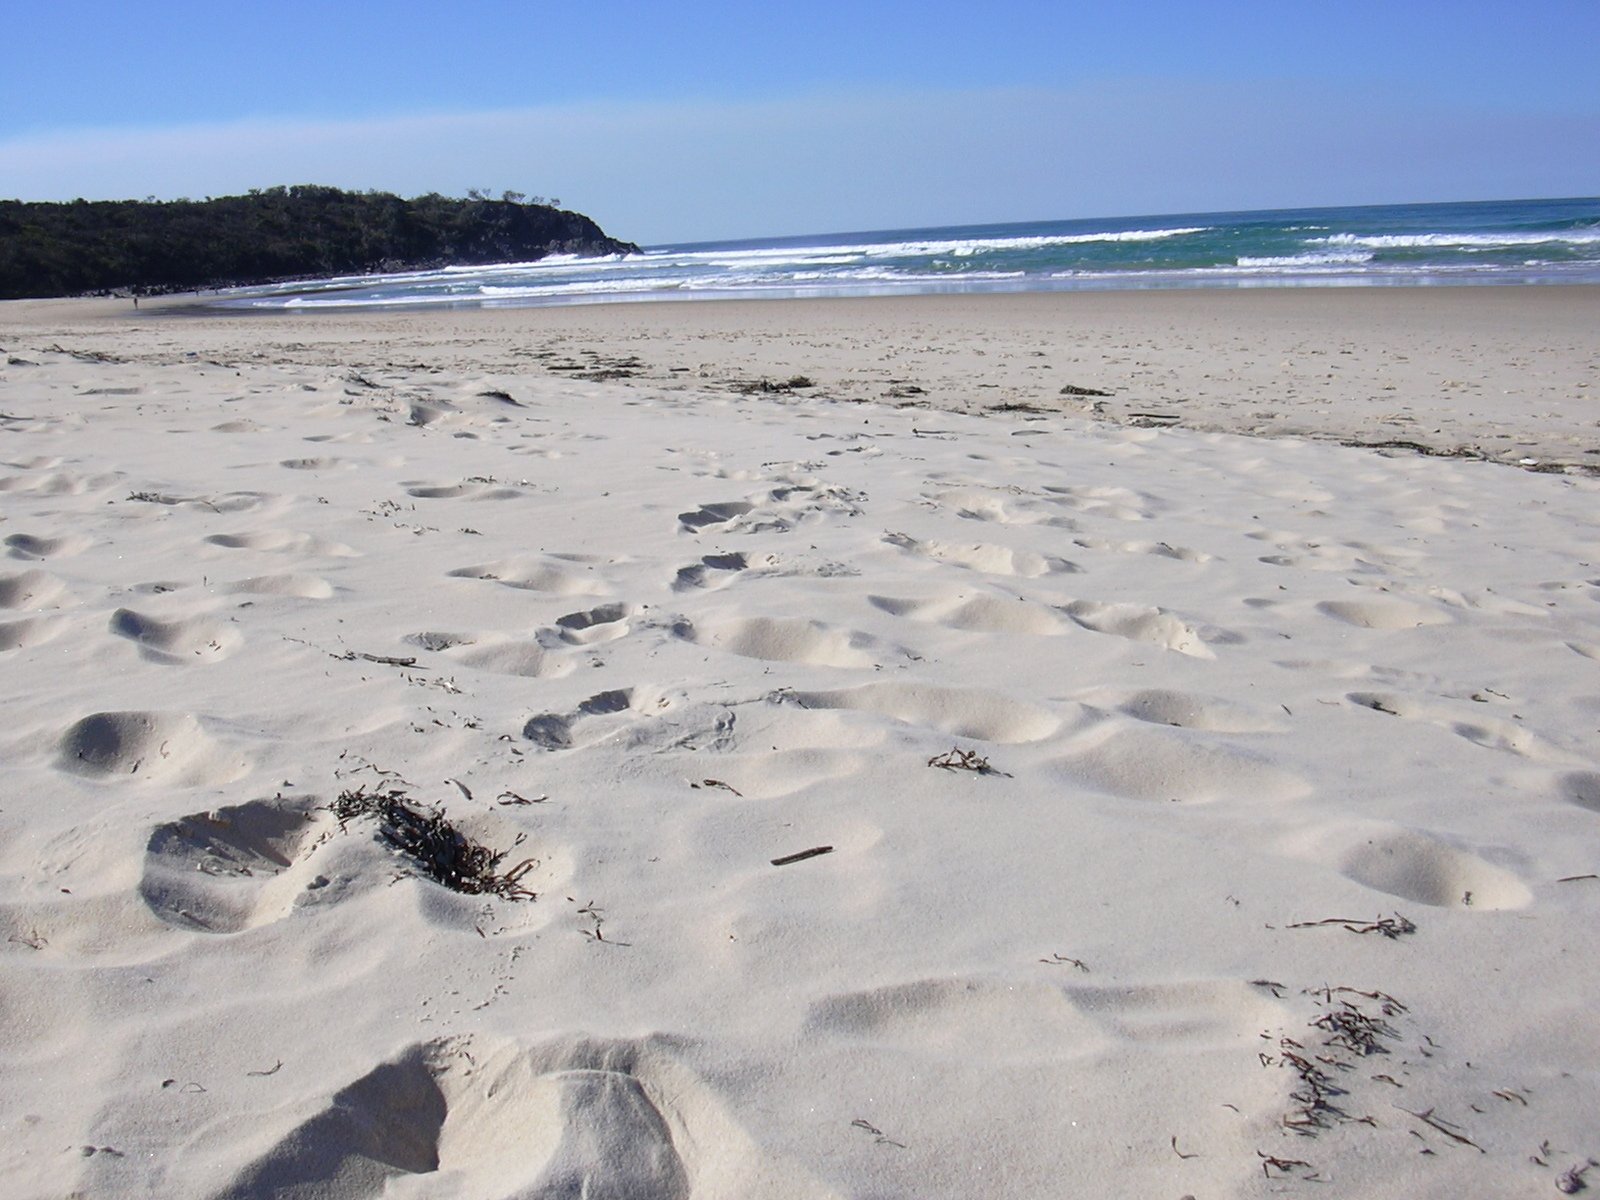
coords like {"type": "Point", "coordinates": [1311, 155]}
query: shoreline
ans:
{"type": "Point", "coordinates": [1511, 374]}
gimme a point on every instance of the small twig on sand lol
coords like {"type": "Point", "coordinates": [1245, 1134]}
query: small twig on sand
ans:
{"type": "Point", "coordinates": [877, 1134]}
{"type": "Point", "coordinates": [1269, 1164]}
{"type": "Point", "coordinates": [1390, 927]}
{"type": "Point", "coordinates": [1427, 1118]}
{"type": "Point", "coordinates": [717, 783]}
{"type": "Point", "coordinates": [510, 798]}
{"type": "Point", "coordinates": [381, 659]}
{"type": "Point", "coordinates": [801, 856]}
{"type": "Point", "coordinates": [1061, 960]}
{"type": "Point", "coordinates": [957, 759]}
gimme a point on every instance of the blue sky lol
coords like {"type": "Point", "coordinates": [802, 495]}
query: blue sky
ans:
{"type": "Point", "coordinates": [711, 119]}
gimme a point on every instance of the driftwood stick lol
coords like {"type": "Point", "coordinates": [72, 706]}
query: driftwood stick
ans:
{"type": "Point", "coordinates": [801, 856]}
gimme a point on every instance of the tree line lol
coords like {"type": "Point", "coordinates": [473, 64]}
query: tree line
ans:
{"type": "Point", "coordinates": [272, 234]}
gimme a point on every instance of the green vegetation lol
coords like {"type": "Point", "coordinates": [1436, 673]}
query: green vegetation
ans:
{"type": "Point", "coordinates": [274, 234]}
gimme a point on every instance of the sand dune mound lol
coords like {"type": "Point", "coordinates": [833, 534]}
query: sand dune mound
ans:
{"type": "Point", "coordinates": [978, 614]}
{"type": "Point", "coordinates": [1143, 763]}
{"type": "Point", "coordinates": [1159, 706]}
{"type": "Point", "coordinates": [30, 589]}
{"type": "Point", "coordinates": [534, 575]}
{"type": "Point", "coordinates": [1139, 623]}
{"type": "Point", "coordinates": [1385, 614]}
{"type": "Point", "coordinates": [292, 584]}
{"type": "Point", "coordinates": [27, 545]}
{"type": "Point", "coordinates": [1418, 867]}
{"type": "Point", "coordinates": [512, 656]}
{"type": "Point", "coordinates": [1583, 789]}
{"type": "Point", "coordinates": [780, 639]}
{"type": "Point", "coordinates": [986, 557]}
{"type": "Point", "coordinates": [962, 712]}
{"type": "Point", "coordinates": [152, 747]}
{"type": "Point", "coordinates": [30, 631]}
{"type": "Point", "coordinates": [283, 541]}
{"type": "Point", "coordinates": [192, 639]}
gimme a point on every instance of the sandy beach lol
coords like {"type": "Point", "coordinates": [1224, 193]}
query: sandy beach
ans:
{"type": "Point", "coordinates": [1203, 807]}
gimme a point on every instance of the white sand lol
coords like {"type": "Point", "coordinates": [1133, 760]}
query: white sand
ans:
{"type": "Point", "coordinates": [1226, 686]}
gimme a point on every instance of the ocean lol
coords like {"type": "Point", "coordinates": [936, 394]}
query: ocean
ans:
{"type": "Point", "coordinates": [1492, 242]}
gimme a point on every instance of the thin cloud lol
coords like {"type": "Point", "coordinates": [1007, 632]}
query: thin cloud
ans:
{"type": "Point", "coordinates": [860, 159]}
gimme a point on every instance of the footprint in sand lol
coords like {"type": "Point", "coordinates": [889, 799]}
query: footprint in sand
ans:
{"type": "Point", "coordinates": [997, 1020]}
{"type": "Point", "coordinates": [1345, 557]}
{"type": "Point", "coordinates": [975, 504]}
{"type": "Point", "coordinates": [30, 589]}
{"type": "Point", "coordinates": [435, 641]}
{"type": "Point", "coordinates": [1385, 614]}
{"type": "Point", "coordinates": [982, 556]}
{"type": "Point", "coordinates": [1583, 789]}
{"type": "Point", "coordinates": [30, 631]}
{"type": "Point", "coordinates": [794, 640]}
{"type": "Point", "coordinates": [597, 715]}
{"type": "Point", "coordinates": [707, 516]}
{"type": "Point", "coordinates": [603, 623]}
{"type": "Point", "coordinates": [57, 483]}
{"type": "Point", "coordinates": [1490, 732]}
{"type": "Point", "coordinates": [514, 656]}
{"type": "Point", "coordinates": [1117, 503]}
{"type": "Point", "coordinates": [535, 575]}
{"type": "Point", "coordinates": [1157, 549]}
{"type": "Point", "coordinates": [186, 640]}
{"type": "Point", "coordinates": [572, 1117]}
{"type": "Point", "coordinates": [977, 613]}
{"type": "Point", "coordinates": [148, 747]}
{"type": "Point", "coordinates": [777, 510]}
{"type": "Point", "coordinates": [230, 869]}
{"type": "Point", "coordinates": [711, 572]}
{"type": "Point", "coordinates": [442, 491]}
{"type": "Point", "coordinates": [324, 463]}
{"type": "Point", "coordinates": [27, 546]}
{"type": "Point", "coordinates": [962, 712]}
{"type": "Point", "coordinates": [283, 541]}
{"type": "Point", "coordinates": [496, 653]}
{"type": "Point", "coordinates": [1013, 1020]}
{"type": "Point", "coordinates": [472, 489]}
{"type": "Point", "coordinates": [1184, 710]}
{"type": "Point", "coordinates": [1139, 623]}
{"type": "Point", "coordinates": [296, 586]}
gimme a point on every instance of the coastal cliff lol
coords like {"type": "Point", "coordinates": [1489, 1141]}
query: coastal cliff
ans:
{"type": "Point", "coordinates": [306, 231]}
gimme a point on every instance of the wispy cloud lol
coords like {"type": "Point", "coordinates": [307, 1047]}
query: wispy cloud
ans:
{"type": "Point", "coordinates": [859, 159]}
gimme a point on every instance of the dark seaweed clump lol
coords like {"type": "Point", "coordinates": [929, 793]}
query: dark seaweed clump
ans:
{"type": "Point", "coordinates": [436, 847]}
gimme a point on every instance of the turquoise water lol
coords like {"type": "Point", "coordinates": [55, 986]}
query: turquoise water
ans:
{"type": "Point", "coordinates": [1501, 242]}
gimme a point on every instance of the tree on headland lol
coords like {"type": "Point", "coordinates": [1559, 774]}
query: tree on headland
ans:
{"type": "Point", "coordinates": [272, 234]}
